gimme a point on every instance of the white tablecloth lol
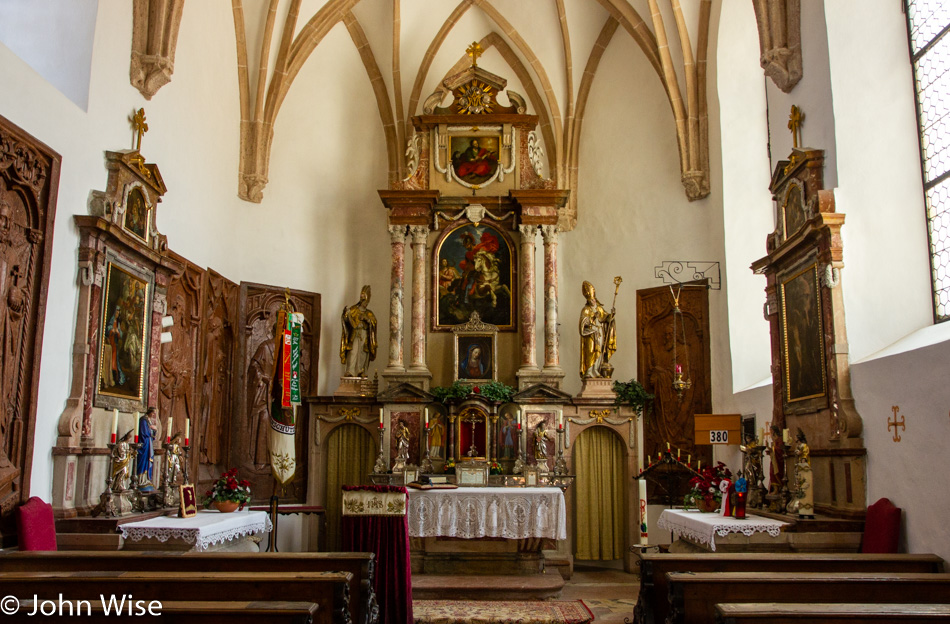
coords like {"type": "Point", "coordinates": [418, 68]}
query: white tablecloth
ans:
{"type": "Point", "coordinates": [203, 530]}
{"type": "Point", "coordinates": [704, 527]}
{"type": "Point", "coordinates": [473, 512]}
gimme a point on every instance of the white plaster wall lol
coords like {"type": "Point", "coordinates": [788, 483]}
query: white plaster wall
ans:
{"type": "Point", "coordinates": [909, 472]}
{"type": "Point", "coordinates": [748, 215]}
{"type": "Point", "coordinates": [886, 278]}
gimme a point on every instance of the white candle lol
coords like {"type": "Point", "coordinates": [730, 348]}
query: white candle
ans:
{"type": "Point", "coordinates": [115, 422]}
{"type": "Point", "coordinates": [519, 419]}
{"type": "Point", "coordinates": [644, 529]}
{"type": "Point", "coordinates": [380, 417]}
{"type": "Point", "coordinates": [168, 429]}
{"type": "Point", "coordinates": [187, 430]}
{"type": "Point", "coordinates": [427, 418]}
{"type": "Point", "coordinates": [138, 418]}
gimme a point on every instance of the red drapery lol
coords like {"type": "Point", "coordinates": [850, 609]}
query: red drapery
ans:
{"type": "Point", "coordinates": [388, 538]}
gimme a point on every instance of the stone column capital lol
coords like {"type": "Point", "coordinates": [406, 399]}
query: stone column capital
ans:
{"type": "Point", "coordinates": [419, 233]}
{"type": "Point", "coordinates": [528, 233]}
{"type": "Point", "coordinates": [549, 233]}
{"type": "Point", "coordinates": [397, 234]}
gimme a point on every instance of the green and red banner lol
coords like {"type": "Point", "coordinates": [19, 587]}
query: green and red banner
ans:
{"type": "Point", "coordinates": [286, 395]}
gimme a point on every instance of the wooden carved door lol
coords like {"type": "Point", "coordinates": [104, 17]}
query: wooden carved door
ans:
{"type": "Point", "coordinates": [249, 429]}
{"type": "Point", "coordinates": [671, 420]}
{"type": "Point", "coordinates": [29, 178]}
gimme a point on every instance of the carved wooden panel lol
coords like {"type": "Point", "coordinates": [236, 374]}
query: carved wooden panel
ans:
{"type": "Point", "coordinates": [671, 420]}
{"type": "Point", "coordinates": [219, 317]}
{"type": "Point", "coordinates": [29, 178]}
{"type": "Point", "coordinates": [249, 429]}
{"type": "Point", "coordinates": [177, 396]}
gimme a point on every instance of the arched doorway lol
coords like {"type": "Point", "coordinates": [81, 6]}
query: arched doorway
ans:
{"type": "Point", "coordinates": [351, 452]}
{"type": "Point", "coordinates": [599, 510]}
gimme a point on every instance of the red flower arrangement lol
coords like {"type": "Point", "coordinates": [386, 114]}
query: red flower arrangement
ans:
{"type": "Point", "coordinates": [228, 488]}
{"type": "Point", "coordinates": [705, 494]}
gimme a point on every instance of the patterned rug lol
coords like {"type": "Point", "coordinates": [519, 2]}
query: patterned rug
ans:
{"type": "Point", "coordinates": [491, 612]}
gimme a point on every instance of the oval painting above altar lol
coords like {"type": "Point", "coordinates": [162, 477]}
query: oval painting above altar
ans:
{"type": "Point", "coordinates": [474, 273]}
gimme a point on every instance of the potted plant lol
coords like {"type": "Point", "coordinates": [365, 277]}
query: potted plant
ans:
{"type": "Point", "coordinates": [705, 494]}
{"type": "Point", "coordinates": [227, 493]}
{"type": "Point", "coordinates": [633, 393]}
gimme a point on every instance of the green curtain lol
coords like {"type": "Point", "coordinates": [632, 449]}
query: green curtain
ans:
{"type": "Point", "coordinates": [351, 453]}
{"type": "Point", "coordinates": [598, 459]}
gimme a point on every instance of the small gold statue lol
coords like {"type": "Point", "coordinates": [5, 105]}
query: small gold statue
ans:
{"type": "Point", "coordinates": [121, 464]}
{"type": "Point", "coordinates": [598, 331]}
{"type": "Point", "coordinates": [358, 343]}
{"type": "Point", "coordinates": [541, 443]}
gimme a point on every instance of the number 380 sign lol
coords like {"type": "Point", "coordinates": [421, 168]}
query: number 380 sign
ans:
{"type": "Point", "coordinates": [717, 428]}
{"type": "Point", "coordinates": [719, 436]}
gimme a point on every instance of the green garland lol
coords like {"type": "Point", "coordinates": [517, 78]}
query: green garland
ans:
{"type": "Point", "coordinates": [633, 393]}
{"type": "Point", "coordinates": [458, 391]}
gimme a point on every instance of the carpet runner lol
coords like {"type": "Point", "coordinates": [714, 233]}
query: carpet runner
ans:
{"type": "Point", "coordinates": [500, 612]}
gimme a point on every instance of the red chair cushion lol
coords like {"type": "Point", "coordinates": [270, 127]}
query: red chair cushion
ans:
{"type": "Point", "coordinates": [882, 528]}
{"type": "Point", "coordinates": [36, 529]}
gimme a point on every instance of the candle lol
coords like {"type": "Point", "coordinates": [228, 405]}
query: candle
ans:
{"type": "Point", "coordinates": [115, 423]}
{"type": "Point", "coordinates": [679, 369]}
{"type": "Point", "coordinates": [667, 447]}
{"type": "Point", "coordinates": [677, 454]}
{"type": "Point", "coordinates": [688, 457]}
{"type": "Point", "coordinates": [168, 429]}
{"type": "Point", "coordinates": [138, 418]}
{"type": "Point", "coordinates": [187, 430]}
{"type": "Point", "coordinates": [649, 461]}
{"type": "Point", "coordinates": [519, 419]}
{"type": "Point", "coordinates": [427, 418]}
{"type": "Point", "coordinates": [785, 436]}
{"type": "Point", "coordinates": [642, 492]}
{"type": "Point", "coordinates": [380, 418]}
{"type": "Point", "coordinates": [699, 463]}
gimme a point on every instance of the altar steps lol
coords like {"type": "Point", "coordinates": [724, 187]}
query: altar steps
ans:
{"type": "Point", "coordinates": [487, 587]}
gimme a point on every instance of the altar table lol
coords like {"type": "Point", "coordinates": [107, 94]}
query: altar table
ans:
{"type": "Point", "coordinates": [476, 512]}
{"type": "Point", "coordinates": [207, 530]}
{"type": "Point", "coordinates": [490, 530]}
{"type": "Point", "coordinates": [702, 528]}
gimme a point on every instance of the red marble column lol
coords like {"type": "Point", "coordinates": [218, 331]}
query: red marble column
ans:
{"type": "Point", "coordinates": [529, 358]}
{"type": "Point", "coordinates": [417, 347]}
{"type": "Point", "coordinates": [552, 347]}
{"type": "Point", "coordinates": [397, 235]}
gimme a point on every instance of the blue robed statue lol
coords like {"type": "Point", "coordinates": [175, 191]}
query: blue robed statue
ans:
{"type": "Point", "coordinates": [146, 455]}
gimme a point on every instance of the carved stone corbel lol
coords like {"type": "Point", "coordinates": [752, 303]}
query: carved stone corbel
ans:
{"type": "Point", "coordinates": [780, 41]}
{"type": "Point", "coordinates": [154, 38]}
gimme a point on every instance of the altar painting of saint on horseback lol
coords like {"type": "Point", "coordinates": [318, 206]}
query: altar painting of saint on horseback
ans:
{"type": "Point", "coordinates": [474, 272]}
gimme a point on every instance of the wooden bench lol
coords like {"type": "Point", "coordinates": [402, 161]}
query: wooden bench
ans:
{"type": "Point", "coordinates": [774, 613]}
{"type": "Point", "coordinates": [694, 595]}
{"type": "Point", "coordinates": [170, 612]}
{"type": "Point", "coordinates": [329, 590]}
{"type": "Point", "coordinates": [653, 600]}
{"type": "Point", "coordinates": [363, 607]}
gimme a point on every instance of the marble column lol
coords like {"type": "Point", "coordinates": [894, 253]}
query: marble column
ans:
{"type": "Point", "coordinates": [552, 347]}
{"type": "Point", "coordinates": [417, 347]}
{"type": "Point", "coordinates": [397, 234]}
{"type": "Point", "coordinates": [529, 358]}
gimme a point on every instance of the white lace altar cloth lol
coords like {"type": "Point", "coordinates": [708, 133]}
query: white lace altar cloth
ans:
{"type": "Point", "coordinates": [474, 512]}
{"type": "Point", "coordinates": [704, 527]}
{"type": "Point", "coordinates": [203, 529]}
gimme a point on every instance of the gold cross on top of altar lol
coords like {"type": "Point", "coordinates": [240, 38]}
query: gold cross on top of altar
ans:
{"type": "Point", "coordinates": [475, 50]}
{"type": "Point", "coordinates": [795, 120]}
{"type": "Point", "coordinates": [140, 127]}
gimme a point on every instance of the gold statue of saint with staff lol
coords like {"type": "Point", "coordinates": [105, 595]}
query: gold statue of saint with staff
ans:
{"type": "Point", "coordinates": [598, 330]}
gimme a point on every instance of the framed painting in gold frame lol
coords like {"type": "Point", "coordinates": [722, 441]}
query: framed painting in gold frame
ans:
{"type": "Point", "coordinates": [124, 334]}
{"type": "Point", "coordinates": [803, 349]}
{"type": "Point", "coordinates": [793, 209]}
{"type": "Point", "coordinates": [474, 271]}
{"type": "Point", "coordinates": [138, 213]}
{"type": "Point", "coordinates": [188, 501]}
{"type": "Point", "coordinates": [532, 476]}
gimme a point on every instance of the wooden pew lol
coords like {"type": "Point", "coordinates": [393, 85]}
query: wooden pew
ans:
{"type": "Point", "coordinates": [653, 600]}
{"type": "Point", "coordinates": [694, 595]}
{"type": "Point", "coordinates": [774, 613]}
{"type": "Point", "coordinates": [363, 607]}
{"type": "Point", "coordinates": [329, 590]}
{"type": "Point", "coordinates": [170, 612]}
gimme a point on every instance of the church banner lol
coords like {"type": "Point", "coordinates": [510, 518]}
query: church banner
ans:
{"type": "Point", "coordinates": [285, 397]}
